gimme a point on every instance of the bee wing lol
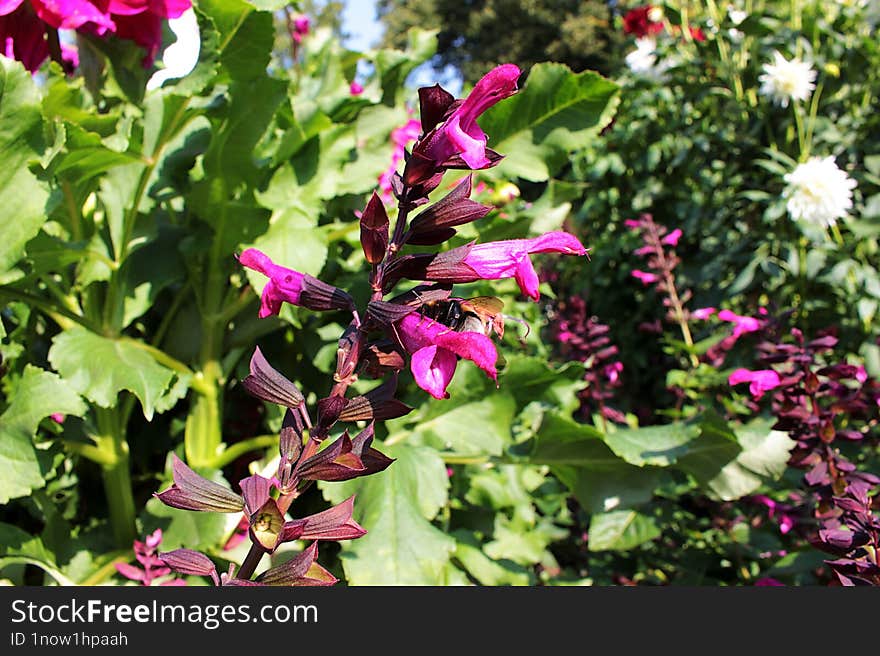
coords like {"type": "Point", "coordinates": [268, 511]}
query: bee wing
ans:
{"type": "Point", "coordinates": [484, 306]}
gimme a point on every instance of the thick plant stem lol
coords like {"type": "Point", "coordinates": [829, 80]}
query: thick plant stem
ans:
{"type": "Point", "coordinates": [115, 470]}
{"type": "Point", "coordinates": [202, 435]}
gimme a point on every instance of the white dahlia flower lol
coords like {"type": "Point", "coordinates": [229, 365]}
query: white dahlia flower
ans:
{"type": "Point", "coordinates": [818, 192]}
{"type": "Point", "coordinates": [786, 80]}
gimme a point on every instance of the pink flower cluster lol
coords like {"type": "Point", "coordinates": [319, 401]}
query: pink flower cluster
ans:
{"type": "Point", "coordinates": [151, 566]}
{"type": "Point", "coordinates": [401, 137]}
{"type": "Point", "coordinates": [25, 25]}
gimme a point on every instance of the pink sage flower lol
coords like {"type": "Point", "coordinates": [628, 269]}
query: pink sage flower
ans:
{"type": "Point", "coordinates": [672, 238]}
{"type": "Point", "coordinates": [287, 285]}
{"type": "Point", "coordinates": [355, 88]}
{"type": "Point", "coordinates": [703, 313]}
{"type": "Point", "coordinates": [759, 381]}
{"type": "Point", "coordinates": [436, 348]}
{"type": "Point", "coordinates": [459, 134]}
{"type": "Point", "coordinates": [742, 324]}
{"type": "Point", "coordinates": [646, 277]}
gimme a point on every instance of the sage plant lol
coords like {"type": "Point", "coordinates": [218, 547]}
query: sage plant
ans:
{"type": "Point", "coordinates": [827, 407]}
{"type": "Point", "coordinates": [393, 330]}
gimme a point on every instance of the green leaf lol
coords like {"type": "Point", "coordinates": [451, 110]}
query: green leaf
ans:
{"type": "Point", "coordinates": [709, 454]}
{"type": "Point", "coordinates": [652, 445]}
{"type": "Point", "coordinates": [484, 569]}
{"type": "Point", "coordinates": [614, 487]}
{"type": "Point", "coordinates": [621, 530]}
{"type": "Point", "coordinates": [481, 427]}
{"type": "Point", "coordinates": [246, 55]}
{"type": "Point", "coordinates": [556, 113]}
{"type": "Point", "coordinates": [563, 441]}
{"type": "Point", "coordinates": [401, 547]}
{"type": "Point", "coordinates": [21, 142]}
{"type": "Point", "coordinates": [530, 378]}
{"type": "Point", "coordinates": [764, 457]}
{"type": "Point", "coordinates": [38, 394]}
{"type": "Point", "coordinates": [100, 367]}
{"type": "Point", "coordinates": [19, 547]}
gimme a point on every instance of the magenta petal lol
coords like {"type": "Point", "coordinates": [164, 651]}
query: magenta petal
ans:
{"type": "Point", "coordinates": [8, 6]}
{"type": "Point", "coordinates": [556, 242]}
{"type": "Point", "coordinates": [130, 572]}
{"type": "Point", "coordinates": [527, 279]}
{"type": "Point", "coordinates": [284, 284]}
{"type": "Point", "coordinates": [471, 145]}
{"type": "Point", "coordinates": [433, 368]}
{"type": "Point", "coordinates": [72, 14]}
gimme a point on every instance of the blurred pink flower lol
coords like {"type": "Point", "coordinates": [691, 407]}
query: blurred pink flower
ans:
{"type": "Point", "coordinates": [645, 277]}
{"type": "Point", "coordinates": [759, 381]}
{"type": "Point", "coordinates": [401, 137]}
{"type": "Point", "coordinates": [672, 238]}
{"type": "Point", "coordinates": [703, 313]}
{"type": "Point", "coordinates": [355, 88]}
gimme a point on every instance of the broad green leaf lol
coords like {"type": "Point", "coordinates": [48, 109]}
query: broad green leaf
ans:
{"type": "Point", "coordinates": [621, 530]}
{"type": "Point", "coordinates": [652, 445]}
{"type": "Point", "coordinates": [614, 487]}
{"type": "Point", "coordinates": [556, 112]}
{"type": "Point", "coordinates": [38, 394]}
{"type": "Point", "coordinates": [523, 542]}
{"type": "Point", "coordinates": [401, 546]}
{"type": "Point", "coordinates": [563, 441]}
{"type": "Point", "coordinates": [531, 378]}
{"type": "Point", "coordinates": [484, 569]}
{"type": "Point", "coordinates": [246, 54]}
{"type": "Point", "coordinates": [100, 367]}
{"type": "Point", "coordinates": [472, 428]}
{"type": "Point", "coordinates": [19, 547]}
{"type": "Point", "coordinates": [764, 456]}
{"type": "Point", "coordinates": [21, 142]}
{"type": "Point", "coordinates": [709, 454]}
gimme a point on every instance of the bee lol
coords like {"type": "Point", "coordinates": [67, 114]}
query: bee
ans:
{"type": "Point", "coordinates": [481, 314]}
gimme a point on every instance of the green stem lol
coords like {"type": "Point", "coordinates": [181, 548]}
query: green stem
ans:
{"type": "Point", "coordinates": [117, 476]}
{"type": "Point", "coordinates": [238, 449]}
{"type": "Point", "coordinates": [57, 313]}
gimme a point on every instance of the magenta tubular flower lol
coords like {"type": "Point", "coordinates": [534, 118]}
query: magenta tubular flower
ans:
{"type": "Point", "coordinates": [506, 259]}
{"type": "Point", "coordinates": [741, 324]}
{"type": "Point", "coordinates": [74, 14]}
{"type": "Point", "coordinates": [759, 381]}
{"type": "Point", "coordinates": [435, 350]}
{"type": "Point", "coordinates": [287, 285]}
{"type": "Point", "coordinates": [491, 261]}
{"type": "Point", "coordinates": [460, 134]}
{"type": "Point", "coordinates": [646, 277]}
{"type": "Point", "coordinates": [703, 313]}
{"type": "Point", "coordinates": [672, 238]}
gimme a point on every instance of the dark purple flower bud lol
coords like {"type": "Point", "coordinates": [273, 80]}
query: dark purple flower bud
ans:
{"type": "Point", "coordinates": [374, 230]}
{"type": "Point", "coordinates": [255, 490]}
{"type": "Point", "coordinates": [377, 404]}
{"type": "Point", "coordinates": [187, 561]}
{"type": "Point", "coordinates": [434, 102]}
{"type": "Point", "coordinates": [193, 492]}
{"type": "Point", "coordinates": [454, 209]}
{"type": "Point", "coordinates": [345, 459]}
{"type": "Point", "coordinates": [299, 570]}
{"type": "Point", "coordinates": [381, 357]}
{"type": "Point", "coordinates": [265, 383]}
{"type": "Point", "coordinates": [332, 524]}
{"type": "Point", "coordinates": [329, 409]}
